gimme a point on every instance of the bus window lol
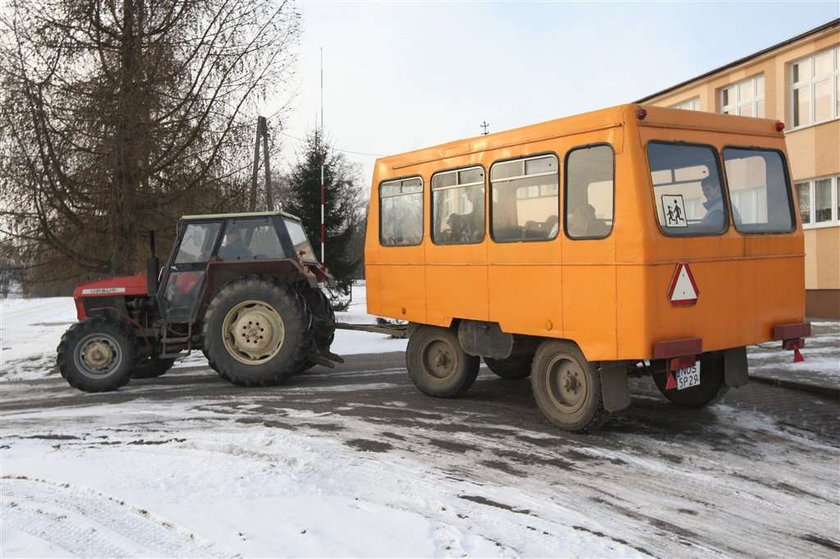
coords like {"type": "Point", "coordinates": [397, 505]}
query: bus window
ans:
{"type": "Point", "coordinates": [458, 206]}
{"type": "Point", "coordinates": [589, 192]}
{"type": "Point", "coordinates": [758, 189]}
{"type": "Point", "coordinates": [525, 199]}
{"type": "Point", "coordinates": [401, 212]}
{"type": "Point", "coordinates": [687, 189]}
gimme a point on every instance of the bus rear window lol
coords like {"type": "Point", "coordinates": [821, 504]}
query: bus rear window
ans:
{"type": "Point", "coordinates": [759, 190]}
{"type": "Point", "coordinates": [687, 189]}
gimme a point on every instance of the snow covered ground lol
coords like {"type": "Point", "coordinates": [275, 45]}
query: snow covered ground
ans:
{"type": "Point", "coordinates": [353, 462]}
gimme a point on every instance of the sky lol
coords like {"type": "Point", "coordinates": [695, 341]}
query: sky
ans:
{"type": "Point", "coordinates": [404, 75]}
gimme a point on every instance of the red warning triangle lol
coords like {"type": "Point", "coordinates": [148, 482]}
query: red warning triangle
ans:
{"type": "Point", "coordinates": [683, 290]}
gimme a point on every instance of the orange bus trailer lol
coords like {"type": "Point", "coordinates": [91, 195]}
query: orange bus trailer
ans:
{"type": "Point", "coordinates": [632, 240]}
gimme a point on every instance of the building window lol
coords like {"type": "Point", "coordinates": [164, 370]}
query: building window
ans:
{"type": "Point", "coordinates": [692, 104]}
{"type": "Point", "coordinates": [745, 98]}
{"type": "Point", "coordinates": [458, 206]}
{"type": "Point", "coordinates": [819, 201]}
{"type": "Point", "coordinates": [815, 88]}
{"type": "Point", "coordinates": [401, 212]}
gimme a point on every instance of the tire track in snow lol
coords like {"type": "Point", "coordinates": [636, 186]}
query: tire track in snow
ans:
{"type": "Point", "coordinates": [87, 523]}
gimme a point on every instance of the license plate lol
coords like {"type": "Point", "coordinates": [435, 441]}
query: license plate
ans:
{"type": "Point", "coordinates": [688, 377]}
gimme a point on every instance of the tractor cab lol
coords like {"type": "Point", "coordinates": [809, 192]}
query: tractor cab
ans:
{"type": "Point", "coordinates": [243, 288]}
{"type": "Point", "coordinates": [211, 248]}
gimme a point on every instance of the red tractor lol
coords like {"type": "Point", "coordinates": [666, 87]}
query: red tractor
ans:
{"type": "Point", "coordinates": [242, 288]}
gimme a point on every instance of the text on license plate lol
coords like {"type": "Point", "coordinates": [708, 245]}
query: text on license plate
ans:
{"type": "Point", "coordinates": [688, 377]}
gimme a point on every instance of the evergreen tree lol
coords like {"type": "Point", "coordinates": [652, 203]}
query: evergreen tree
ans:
{"type": "Point", "coordinates": [301, 196]}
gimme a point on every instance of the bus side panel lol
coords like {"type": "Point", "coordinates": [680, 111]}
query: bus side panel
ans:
{"type": "Point", "coordinates": [396, 291]}
{"type": "Point", "coordinates": [526, 299]}
{"type": "Point", "coordinates": [589, 316]}
{"type": "Point", "coordinates": [632, 312]}
{"type": "Point", "coordinates": [780, 293]}
{"type": "Point", "coordinates": [456, 291]}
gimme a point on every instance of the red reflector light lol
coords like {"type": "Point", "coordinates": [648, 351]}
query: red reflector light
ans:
{"type": "Point", "coordinates": [641, 114]}
{"type": "Point", "coordinates": [780, 126]}
{"type": "Point", "coordinates": [682, 362]}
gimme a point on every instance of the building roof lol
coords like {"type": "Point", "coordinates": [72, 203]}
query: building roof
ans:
{"type": "Point", "coordinates": [814, 31]}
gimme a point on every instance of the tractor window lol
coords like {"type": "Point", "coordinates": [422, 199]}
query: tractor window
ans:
{"type": "Point", "coordinates": [458, 206]}
{"type": "Point", "coordinates": [525, 199]}
{"type": "Point", "coordinates": [589, 192]}
{"type": "Point", "coordinates": [298, 236]}
{"type": "Point", "coordinates": [687, 189]}
{"type": "Point", "coordinates": [250, 238]}
{"type": "Point", "coordinates": [759, 190]}
{"type": "Point", "coordinates": [401, 212]}
{"type": "Point", "coordinates": [197, 243]}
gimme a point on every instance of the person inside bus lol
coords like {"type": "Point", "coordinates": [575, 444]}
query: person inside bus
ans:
{"type": "Point", "coordinates": [714, 204]}
{"type": "Point", "coordinates": [583, 223]}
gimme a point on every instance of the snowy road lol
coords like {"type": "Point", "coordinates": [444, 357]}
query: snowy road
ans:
{"type": "Point", "coordinates": [356, 462]}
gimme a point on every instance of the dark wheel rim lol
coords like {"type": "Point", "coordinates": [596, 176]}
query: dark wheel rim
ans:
{"type": "Point", "coordinates": [98, 355]}
{"type": "Point", "coordinates": [566, 384]}
{"type": "Point", "coordinates": [439, 359]}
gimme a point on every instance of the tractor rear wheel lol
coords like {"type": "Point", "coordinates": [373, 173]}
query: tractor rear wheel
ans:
{"type": "Point", "coordinates": [566, 386]}
{"type": "Point", "coordinates": [256, 332]}
{"type": "Point", "coordinates": [152, 367]}
{"type": "Point", "coordinates": [710, 390]}
{"type": "Point", "coordinates": [437, 364]}
{"type": "Point", "coordinates": [512, 368]}
{"type": "Point", "coordinates": [97, 354]}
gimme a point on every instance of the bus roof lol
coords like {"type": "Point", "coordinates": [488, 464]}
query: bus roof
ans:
{"type": "Point", "coordinates": [586, 122]}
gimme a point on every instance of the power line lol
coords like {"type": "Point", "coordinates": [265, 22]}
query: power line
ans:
{"type": "Point", "coordinates": [335, 148]}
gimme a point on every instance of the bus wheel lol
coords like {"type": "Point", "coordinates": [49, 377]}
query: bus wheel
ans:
{"type": "Point", "coordinates": [566, 386]}
{"type": "Point", "coordinates": [515, 367]}
{"type": "Point", "coordinates": [437, 365]}
{"type": "Point", "coordinates": [709, 391]}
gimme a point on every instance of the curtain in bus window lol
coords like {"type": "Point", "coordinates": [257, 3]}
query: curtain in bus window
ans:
{"type": "Point", "coordinates": [758, 190]}
{"type": "Point", "coordinates": [687, 189]}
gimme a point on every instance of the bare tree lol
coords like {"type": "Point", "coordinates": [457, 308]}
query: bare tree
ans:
{"type": "Point", "coordinates": [118, 116]}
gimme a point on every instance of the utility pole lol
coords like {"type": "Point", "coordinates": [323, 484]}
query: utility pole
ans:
{"type": "Point", "coordinates": [262, 132]}
{"type": "Point", "coordinates": [323, 163]}
{"type": "Point", "coordinates": [485, 128]}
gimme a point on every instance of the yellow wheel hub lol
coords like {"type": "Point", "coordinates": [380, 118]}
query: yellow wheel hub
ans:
{"type": "Point", "coordinates": [253, 332]}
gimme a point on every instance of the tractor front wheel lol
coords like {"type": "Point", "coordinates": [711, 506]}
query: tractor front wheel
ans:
{"type": "Point", "coordinates": [256, 332]}
{"type": "Point", "coordinates": [97, 354]}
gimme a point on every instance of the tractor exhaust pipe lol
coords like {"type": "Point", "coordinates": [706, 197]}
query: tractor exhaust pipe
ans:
{"type": "Point", "coordinates": [152, 267]}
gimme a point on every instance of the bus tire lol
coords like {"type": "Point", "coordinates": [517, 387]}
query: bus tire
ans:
{"type": "Point", "coordinates": [512, 368]}
{"type": "Point", "coordinates": [711, 388]}
{"type": "Point", "coordinates": [566, 386]}
{"type": "Point", "coordinates": [436, 363]}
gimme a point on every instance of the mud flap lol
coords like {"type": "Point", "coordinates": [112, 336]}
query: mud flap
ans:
{"type": "Point", "coordinates": [735, 367]}
{"type": "Point", "coordinates": [614, 388]}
